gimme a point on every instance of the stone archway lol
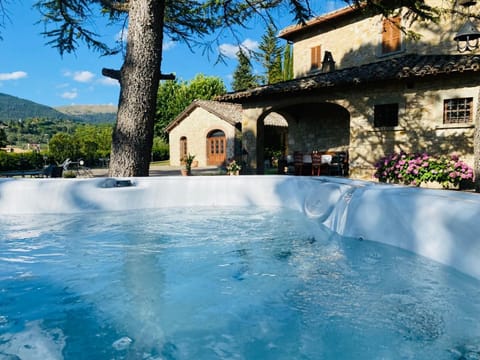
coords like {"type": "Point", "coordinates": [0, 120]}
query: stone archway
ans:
{"type": "Point", "coordinates": [320, 126]}
{"type": "Point", "coordinates": [273, 136]}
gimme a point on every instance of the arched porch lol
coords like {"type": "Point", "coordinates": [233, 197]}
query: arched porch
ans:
{"type": "Point", "coordinates": [312, 126]}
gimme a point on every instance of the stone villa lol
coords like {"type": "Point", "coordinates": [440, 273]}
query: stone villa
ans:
{"type": "Point", "coordinates": [360, 86]}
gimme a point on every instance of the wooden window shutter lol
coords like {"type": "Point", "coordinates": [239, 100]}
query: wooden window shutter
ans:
{"type": "Point", "coordinates": [391, 35]}
{"type": "Point", "coordinates": [315, 57]}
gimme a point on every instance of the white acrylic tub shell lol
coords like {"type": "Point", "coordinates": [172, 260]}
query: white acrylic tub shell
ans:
{"type": "Point", "coordinates": [439, 224]}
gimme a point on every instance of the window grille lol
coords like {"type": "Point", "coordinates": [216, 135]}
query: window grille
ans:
{"type": "Point", "coordinates": [457, 111]}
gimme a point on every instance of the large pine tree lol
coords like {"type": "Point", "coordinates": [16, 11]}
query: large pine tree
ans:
{"type": "Point", "coordinates": [243, 77]}
{"type": "Point", "coordinates": [270, 56]}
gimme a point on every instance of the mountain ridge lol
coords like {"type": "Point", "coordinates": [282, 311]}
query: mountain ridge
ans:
{"type": "Point", "coordinates": [15, 108]}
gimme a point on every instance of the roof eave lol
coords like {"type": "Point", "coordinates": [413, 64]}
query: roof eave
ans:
{"type": "Point", "coordinates": [292, 31]}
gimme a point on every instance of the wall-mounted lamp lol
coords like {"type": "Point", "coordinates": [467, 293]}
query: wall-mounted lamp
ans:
{"type": "Point", "coordinates": [468, 36]}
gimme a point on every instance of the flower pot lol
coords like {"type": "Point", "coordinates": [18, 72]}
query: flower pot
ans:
{"type": "Point", "coordinates": [437, 185]}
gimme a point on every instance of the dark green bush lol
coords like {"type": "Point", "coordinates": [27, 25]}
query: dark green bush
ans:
{"type": "Point", "coordinates": [160, 150]}
{"type": "Point", "coordinates": [20, 161]}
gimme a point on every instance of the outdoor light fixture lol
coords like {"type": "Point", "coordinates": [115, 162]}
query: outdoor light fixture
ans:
{"type": "Point", "coordinates": [468, 36]}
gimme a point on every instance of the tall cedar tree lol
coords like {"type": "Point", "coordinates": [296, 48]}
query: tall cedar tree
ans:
{"type": "Point", "coordinates": [287, 63]}
{"type": "Point", "coordinates": [270, 56]}
{"type": "Point", "coordinates": [190, 21]}
{"type": "Point", "coordinates": [243, 77]}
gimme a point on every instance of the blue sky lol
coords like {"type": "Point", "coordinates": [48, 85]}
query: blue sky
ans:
{"type": "Point", "coordinates": [31, 70]}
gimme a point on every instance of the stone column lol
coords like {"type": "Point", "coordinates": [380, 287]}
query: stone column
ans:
{"type": "Point", "coordinates": [250, 146]}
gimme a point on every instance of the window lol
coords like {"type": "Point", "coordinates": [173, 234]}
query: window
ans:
{"type": "Point", "coordinates": [385, 115]}
{"type": "Point", "coordinates": [315, 57]}
{"type": "Point", "coordinates": [391, 35]}
{"type": "Point", "coordinates": [183, 148]}
{"type": "Point", "coordinates": [457, 111]}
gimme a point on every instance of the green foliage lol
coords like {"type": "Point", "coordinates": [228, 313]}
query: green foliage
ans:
{"type": "Point", "coordinates": [233, 167]}
{"type": "Point", "coordinates": [63, 146]}
{"type": "Point", "coordinates": [3, 138]}
{"type": "Point", "coordinates": [243, 77]}
{"type": "Point", "coordinates": [20, 161]}
{"type": "Point", "coordinates": [70, 174]}
{"type": "Point", "coordinates": [275, 59]}
{"type": "Point", "coordinates": [14, 108]}
{"type": "Point", "coordinates": [188, 160]}
{"type": "Point", "coordinates": [174, 96]}
{"type": "Point", "coordinates": [160, 149]}
{"type": "Point", "coordinates": [88, 142]}
{"type": "Point", "coordinates": [203, 87]}
{"type": "Point", "coordinates": [95, 141]}
{"type": "Point", "coordinates": [415, 169]}
{"type": "Point", "coordinates": [270, 56]}
{"type": "Point", "coordinates": [36, 130]}
{"type": "Point", "coordinates": [72, 22]}
{"type": "Point", "coordinates": [287, 63]}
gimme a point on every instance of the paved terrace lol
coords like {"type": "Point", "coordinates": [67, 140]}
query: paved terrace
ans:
{"type": "Point", "coordinates": [166, 170]}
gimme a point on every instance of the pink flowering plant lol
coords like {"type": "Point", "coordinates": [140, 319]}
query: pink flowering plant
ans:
{"type": "Point", "coordinates": [415, 169]}
{"type": "Point", "coordinates": [233, 167]}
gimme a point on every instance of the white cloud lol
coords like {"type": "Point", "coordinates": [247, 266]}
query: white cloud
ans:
{"type": "Point", "coordinates": [62, 86]}
{"type": "Point", "coordinates": [13, 75]}
{"type": "Point", "coordinates": [108, 81]}
{"type": "Point", "coordinates": [231, 50]}
{"type": "Point", "coordinates": [70, 94]}
{"type": "Point", "coordinates": [168, 45]}
{"type": "Point", "coordinates": [83, 76]}
{"type": "Point", "coordinates": [121, 35]}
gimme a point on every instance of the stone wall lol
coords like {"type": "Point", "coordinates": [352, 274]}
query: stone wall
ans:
{"type": "Point", "coordinates": [343, 120]}
{"type": "Point", "coordinates": [196, 127]}
{"type": "Point", "coordinates": [353, 44]}
{"type": "Point", "coordinates": [420, 127]}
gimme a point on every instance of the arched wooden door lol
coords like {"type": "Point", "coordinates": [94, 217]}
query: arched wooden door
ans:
{"type": "Point", "coordinates": [216, 147]}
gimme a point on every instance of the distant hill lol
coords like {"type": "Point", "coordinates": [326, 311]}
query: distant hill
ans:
{"type": "Point", "coordinates": [91, 113]}
{"type": "Point", "coordinates": [14, 108]}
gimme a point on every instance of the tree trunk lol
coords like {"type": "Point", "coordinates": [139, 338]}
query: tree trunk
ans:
{"type": "Point", "coordinates": [139, 77]}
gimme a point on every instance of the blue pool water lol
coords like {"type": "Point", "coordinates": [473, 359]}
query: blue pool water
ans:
{"type": "Point", "coordinates": [222, 284]}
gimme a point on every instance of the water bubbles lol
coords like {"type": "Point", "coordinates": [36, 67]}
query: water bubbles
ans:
{"type": "Point", "coordinates": [122, 343]}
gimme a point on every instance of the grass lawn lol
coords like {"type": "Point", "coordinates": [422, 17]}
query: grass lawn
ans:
{"type": "Point", "coordinates": [160, 163]}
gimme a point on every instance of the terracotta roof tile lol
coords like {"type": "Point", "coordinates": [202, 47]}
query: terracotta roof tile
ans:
{"type": "Point", "coordinates": [404, 67]}
{"type": "Point", "coordinates": [231, 113]}
{"type": "Point", "coordinates": [226, 111]}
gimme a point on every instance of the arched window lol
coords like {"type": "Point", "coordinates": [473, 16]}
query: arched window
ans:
{"type": "Point", "coordinates": [183, 148]}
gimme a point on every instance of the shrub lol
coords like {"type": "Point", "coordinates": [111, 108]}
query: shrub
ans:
{"type": "Point", "coordinates": [160, 150]}
{"type": "Point", "coordinates": [415, 169]}
{"type": "Point", "coordinates": [69, 174]}
{"type": "Point", "coordinates": [20, 161]}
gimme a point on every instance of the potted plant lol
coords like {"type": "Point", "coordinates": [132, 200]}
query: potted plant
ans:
{"type": "Point", "coordinates": [233, 168]}
{"type": "Point", "coordinates": [187, 160]}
